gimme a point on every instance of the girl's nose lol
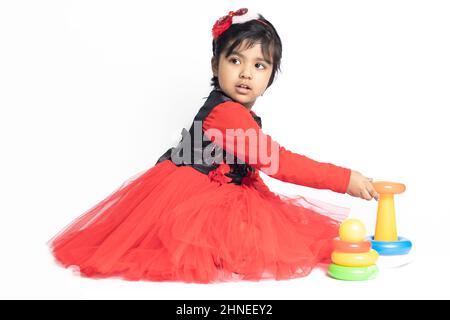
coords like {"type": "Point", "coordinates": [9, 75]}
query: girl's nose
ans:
{"type": "Point", "coordinates": [246, 74]}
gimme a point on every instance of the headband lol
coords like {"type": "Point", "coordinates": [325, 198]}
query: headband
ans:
{"type": "Point", "coordinates": [239, 16]}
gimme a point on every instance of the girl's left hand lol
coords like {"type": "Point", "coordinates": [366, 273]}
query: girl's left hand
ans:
{"type": "Point", "coordinates": [361, 186]}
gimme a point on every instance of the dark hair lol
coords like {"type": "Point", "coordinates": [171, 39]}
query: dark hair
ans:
{"type": "Point", "coordinates": [253, 32]}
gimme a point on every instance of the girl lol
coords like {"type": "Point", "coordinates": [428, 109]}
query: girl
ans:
{"type": "Point", "coordinates": [203, 213]}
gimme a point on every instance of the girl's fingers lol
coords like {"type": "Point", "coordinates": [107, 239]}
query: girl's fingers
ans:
{"type": "Point", "coordinates": [366, 195]}
{"type": "Point", "coordinates": [372, 192]}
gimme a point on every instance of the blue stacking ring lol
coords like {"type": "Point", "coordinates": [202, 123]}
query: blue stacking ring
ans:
{"type": "Point", "coordinates": [391, 248]}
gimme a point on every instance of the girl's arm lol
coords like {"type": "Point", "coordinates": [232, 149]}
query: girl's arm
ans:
{"type": "Point", "coordinates": [292, 167]}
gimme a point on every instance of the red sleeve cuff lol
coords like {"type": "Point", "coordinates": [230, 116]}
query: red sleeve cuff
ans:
{"type": "Point", "coordinates": [341, 179]}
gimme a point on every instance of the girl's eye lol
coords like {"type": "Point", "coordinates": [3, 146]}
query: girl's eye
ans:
{"type": "Point", "coordinates": [260, 66]}
{"type": "Point", "coordinates": [234, 61]}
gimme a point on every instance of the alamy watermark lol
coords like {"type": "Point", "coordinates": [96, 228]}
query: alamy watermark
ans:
{"type": "Point", "coordinates": [259, 150]}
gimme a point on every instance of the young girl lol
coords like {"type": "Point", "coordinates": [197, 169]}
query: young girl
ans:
{"type": "Point", "coordinates": [203, 213]}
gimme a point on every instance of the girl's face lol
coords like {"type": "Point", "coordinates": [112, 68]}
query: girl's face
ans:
{"type": "Point", "coordinates": [243, 75]}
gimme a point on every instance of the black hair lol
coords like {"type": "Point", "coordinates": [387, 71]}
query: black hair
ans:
{"type": "Point", "coordinates": [253, 32]}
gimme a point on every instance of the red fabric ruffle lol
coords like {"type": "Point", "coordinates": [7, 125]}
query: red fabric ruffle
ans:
{"type": "Point", "coordinates": [176, 224]}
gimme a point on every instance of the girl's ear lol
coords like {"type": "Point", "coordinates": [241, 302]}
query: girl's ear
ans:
{"type": "Point", "coordinates": [214, 66]}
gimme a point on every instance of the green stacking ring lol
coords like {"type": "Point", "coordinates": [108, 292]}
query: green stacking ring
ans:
{"type": "Point", "coordinates": [352, 273]}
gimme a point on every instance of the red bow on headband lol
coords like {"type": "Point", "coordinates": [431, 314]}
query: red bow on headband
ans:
{"type": "Point", "coordinates": [225, 22]}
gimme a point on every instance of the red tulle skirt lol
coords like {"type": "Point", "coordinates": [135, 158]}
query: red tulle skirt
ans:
{"type": "Point", "coordinates": [174, 223]}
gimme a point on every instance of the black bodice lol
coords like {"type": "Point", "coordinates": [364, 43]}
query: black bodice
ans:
{"type": "Point", "coordinates": [196, 142]}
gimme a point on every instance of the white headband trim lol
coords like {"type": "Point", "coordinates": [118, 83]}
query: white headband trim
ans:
{"type": "Point", "coordinates": [246, 17]}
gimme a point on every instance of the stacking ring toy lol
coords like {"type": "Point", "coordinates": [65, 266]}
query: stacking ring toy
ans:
{"type": "Point", "coordinates": [351, 247]}
{"type": "Point", "coordinates": [390, 248]}
{"type": "Point", "coordinates": [352, 273]}
{"type": "Point", "coordinates": [352, 230]}
{"type": "Point", "coordinates": [387, 187]}
{"type": "Point", "coordinates": [386, 227]}
{"type": "Point", "coordinates": [363, 259]}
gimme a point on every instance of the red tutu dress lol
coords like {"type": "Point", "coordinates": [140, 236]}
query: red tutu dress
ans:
{"type": "Point", "coordinates": [208, 222]}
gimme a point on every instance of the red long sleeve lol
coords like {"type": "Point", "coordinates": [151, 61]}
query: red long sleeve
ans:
{"type": "Point", "coordinates": [292, 167]}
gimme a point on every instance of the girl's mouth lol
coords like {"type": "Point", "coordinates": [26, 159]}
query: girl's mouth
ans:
{"type": "Point", "coordinates": [243, 89]}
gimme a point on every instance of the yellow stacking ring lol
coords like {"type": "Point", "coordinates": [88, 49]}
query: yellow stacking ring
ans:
{"type": "Point", "coordinates": [363, 259]}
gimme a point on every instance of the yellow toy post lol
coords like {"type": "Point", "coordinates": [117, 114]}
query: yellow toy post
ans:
{"type": "Point", "coordinates": [386, 227]}
{"type": "Point", "coordinates": [386, 241]}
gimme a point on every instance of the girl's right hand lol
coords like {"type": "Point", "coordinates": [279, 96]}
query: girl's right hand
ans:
{"type": "Point", "coordinates": [361, 186]}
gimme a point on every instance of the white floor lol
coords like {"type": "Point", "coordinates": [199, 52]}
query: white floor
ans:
{"type": "Point", "coordinates": [43, 280]}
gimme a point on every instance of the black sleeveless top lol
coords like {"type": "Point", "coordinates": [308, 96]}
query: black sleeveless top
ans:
{"type": "Point", "coordinates": [196, 142]}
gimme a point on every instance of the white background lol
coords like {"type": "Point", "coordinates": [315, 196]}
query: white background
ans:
{"type": "Point", "coordinates": [93, 92]}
